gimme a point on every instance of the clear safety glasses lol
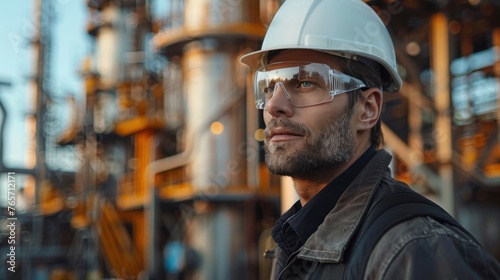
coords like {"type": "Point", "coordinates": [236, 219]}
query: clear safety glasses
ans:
{"type": "Point", "coordinates": [304, 84]}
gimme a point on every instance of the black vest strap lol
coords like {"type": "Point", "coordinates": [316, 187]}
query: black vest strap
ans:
{"type": "Point", "coordinates": [387, 213]}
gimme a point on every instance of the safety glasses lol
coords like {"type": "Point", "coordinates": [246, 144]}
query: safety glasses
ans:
{"type": "Point", "coordinates": [304, 84]}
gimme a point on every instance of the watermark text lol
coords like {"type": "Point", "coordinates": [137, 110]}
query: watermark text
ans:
{"type": "Point", "coordinates": [11, 221]}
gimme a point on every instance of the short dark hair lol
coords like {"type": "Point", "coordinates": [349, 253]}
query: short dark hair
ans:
{"type": "Point", "coordinates": [372, 77]}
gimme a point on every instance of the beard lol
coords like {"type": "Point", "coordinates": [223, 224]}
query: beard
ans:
{"type": "Point", "coordinates": [330, 149]}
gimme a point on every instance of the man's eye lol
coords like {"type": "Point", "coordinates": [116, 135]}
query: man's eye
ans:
{"type": "Point", "coordinates": [305, 84]}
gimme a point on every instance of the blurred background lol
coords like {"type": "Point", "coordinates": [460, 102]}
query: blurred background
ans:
{"type": "Point", "coordinates": [130, 135]}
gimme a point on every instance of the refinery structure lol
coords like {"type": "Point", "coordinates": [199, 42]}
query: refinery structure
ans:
{"type": "Point", "coordinates": [170, 181]}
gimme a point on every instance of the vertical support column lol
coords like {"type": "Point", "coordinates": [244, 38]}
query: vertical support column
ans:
{"type": "Point", "coordinates": [415, 124]}
{"type": "Point", "coordinates": [496, 70]}
{"type": "Point", "coordinates": [440, 63]}
{"type": "Point", "coordinates": [145, 222]}
{"type": "Point", "coordinates": [144, 153]}
{"type": "Point", "coordinates": [39, 44]}
{"type": "Point", "coordinates": [140, 238]}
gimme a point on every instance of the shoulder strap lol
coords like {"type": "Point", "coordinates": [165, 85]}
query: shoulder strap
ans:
{"type": "Point", "coordinates": [388, 212]}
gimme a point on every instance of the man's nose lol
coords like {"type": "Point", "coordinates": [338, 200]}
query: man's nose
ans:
{"type": "Point", "coordinates": [279, 104]}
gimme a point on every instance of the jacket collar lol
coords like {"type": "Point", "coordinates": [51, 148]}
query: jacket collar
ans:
{"type": "Point", "coordinates": [329, 242]}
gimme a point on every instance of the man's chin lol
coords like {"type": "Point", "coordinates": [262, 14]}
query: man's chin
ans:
{"type": "Point", "coordinates": [280, 171]}
{"type": "Point", "coordinates": [283, 165]}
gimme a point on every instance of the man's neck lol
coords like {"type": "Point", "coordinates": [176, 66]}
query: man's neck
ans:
{"type": "Point", "coordinates": [307, 186]}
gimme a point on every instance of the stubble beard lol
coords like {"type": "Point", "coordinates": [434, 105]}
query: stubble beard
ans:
{"type": "Point", "coordinates": [330, 149]}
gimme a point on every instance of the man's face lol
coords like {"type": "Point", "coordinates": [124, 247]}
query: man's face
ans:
{"type": "Point", "coordinates": [302, 140]}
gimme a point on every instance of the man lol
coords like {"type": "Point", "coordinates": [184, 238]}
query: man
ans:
{"type": "Point", "coordinates": [320, 79]}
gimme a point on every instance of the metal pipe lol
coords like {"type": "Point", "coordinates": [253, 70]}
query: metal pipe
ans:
{"type": "Point", "coordinates": [440, 62]}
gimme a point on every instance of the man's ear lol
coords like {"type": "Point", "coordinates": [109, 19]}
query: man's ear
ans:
{"type": "Point", "coordinates": [370, 108]}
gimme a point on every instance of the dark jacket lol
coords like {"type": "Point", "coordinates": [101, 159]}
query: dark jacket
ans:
{"type": "Point", "coordinates": [420, 248]}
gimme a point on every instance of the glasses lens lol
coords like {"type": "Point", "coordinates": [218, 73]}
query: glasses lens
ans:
{"type": "Point", "coordinates": [343, 83]}
{"type": "Point", "coordinates": [303, 85]}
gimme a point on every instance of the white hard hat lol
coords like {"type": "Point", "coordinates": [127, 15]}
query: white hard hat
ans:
{"type": "Point", "coordinates": [347, 28]}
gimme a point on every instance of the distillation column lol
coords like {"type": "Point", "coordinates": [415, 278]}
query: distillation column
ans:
{"type": "Point", "coordinates": [220, 223]}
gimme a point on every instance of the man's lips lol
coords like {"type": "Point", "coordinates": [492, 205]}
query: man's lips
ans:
{"type": "Point", "coordinates": [280, 134]}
